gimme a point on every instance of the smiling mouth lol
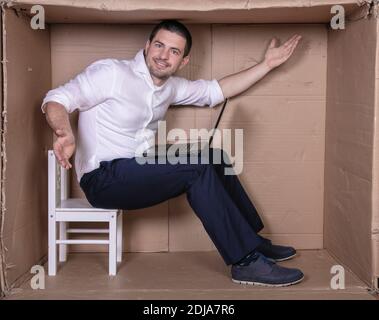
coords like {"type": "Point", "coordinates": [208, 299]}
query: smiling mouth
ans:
{"type": "Point", "coordinates": [161, 64]}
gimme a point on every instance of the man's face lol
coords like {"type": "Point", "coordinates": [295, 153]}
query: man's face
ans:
{"type": "Point", "coordinates": [164, 55]}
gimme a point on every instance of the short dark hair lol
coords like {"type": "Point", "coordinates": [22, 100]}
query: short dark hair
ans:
{"type": "Point", "coordinates": [178, 28]}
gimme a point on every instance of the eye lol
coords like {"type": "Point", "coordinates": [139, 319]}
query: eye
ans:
{"type": "Point", "coordinates": [158, 45]}
{"type": "Point", "coordinates": [175, 52]}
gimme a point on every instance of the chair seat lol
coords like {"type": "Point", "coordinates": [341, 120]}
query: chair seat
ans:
{"type": "Point", "coordinates": [79, 204]}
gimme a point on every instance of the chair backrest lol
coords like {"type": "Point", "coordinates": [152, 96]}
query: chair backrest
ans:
{"type": "Point", "coordinates": [58, 184]}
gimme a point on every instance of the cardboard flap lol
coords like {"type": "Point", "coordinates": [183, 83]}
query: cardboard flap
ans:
{"type": "Point", "coordinates": [198, 11]}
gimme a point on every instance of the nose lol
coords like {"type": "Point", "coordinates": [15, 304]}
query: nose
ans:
{"type": "Point", "coordinates": [164, 54]}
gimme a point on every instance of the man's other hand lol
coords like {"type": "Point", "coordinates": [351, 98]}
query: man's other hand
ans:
{"type": "Point", "coordinates": [64, 147]}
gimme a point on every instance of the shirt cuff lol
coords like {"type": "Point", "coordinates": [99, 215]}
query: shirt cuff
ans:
{"type": "Point", "coordinates": [55, 98]}
{"type": "Point", "coordinates": [216, 94]}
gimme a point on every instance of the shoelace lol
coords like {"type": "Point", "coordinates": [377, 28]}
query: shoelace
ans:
{"type": "Point", "coordinates": [265, 260]}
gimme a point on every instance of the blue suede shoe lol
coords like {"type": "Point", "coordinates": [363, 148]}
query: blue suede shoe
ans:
{"type": "Point", "coordinates": [275, 253]}
{"type": "Point", "coordinates": [263, 272]}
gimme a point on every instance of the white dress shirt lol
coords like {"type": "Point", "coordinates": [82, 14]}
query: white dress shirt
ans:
{"type": "Point", "coordinates": [119, 107]}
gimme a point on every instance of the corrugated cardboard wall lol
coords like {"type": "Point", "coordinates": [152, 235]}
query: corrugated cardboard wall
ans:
{"type": "Point", "coordinates": [349, 144]}
{"type": "Point", "coordinates": [29, 76]}
{"type": "Point", "coordinates": [283, 118]}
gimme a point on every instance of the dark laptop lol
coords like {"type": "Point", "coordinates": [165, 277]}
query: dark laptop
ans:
{"type": "Point", "coordinates": [183, 149]}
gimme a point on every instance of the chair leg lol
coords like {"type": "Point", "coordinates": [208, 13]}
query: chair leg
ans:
{"type": "Point", "coordinates": [62, 236]}
{"type": "Point", "coordinates": [52, 250]}
{"type": "Point", "coordinates": [112, 244]}
{"type": "Point", "coordinates": [119, 236]}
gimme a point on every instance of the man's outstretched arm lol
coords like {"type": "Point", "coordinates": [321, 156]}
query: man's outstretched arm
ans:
{"type": "Point", "coordinates": [237, 83]}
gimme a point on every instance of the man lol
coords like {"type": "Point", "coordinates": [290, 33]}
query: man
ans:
{"type": "Point", "coordinates": [120, 102]}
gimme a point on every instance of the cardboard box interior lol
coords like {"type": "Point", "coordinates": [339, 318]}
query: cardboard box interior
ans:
{"type": "Point", "coordinates": [310, 127]}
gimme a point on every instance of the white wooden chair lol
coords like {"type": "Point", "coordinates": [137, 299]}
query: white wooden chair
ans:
{"type": "Point", "coordinates": [63, 210]}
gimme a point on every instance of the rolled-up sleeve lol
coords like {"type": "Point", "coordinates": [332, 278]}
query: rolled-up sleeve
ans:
{"type": "Point", "coordinates": [198, 92]}
{"type": "Point", "coordinates": [88, 89]}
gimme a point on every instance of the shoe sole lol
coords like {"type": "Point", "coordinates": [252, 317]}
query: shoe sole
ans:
{"type": "Point", "coordinates": [267, 284]}
{"type": "Point", "coordinates": [283, 259]}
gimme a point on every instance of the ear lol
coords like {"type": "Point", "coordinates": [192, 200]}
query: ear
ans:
{"type": "Point", "coordinates": [184, 62]}
{"type": "Point", "coordinates": [147, 45]}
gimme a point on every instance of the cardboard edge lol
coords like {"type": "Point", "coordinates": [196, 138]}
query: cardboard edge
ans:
{"type": "Point", "coordinates": [173, 5]}
{"type": "Point", "coordinates": [3, 127]}
{"type": "Point", "coordinates": [375, 177]}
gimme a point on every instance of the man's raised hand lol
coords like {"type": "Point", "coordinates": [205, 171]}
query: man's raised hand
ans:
{"type": "Point", "coordinates": [275, 56]}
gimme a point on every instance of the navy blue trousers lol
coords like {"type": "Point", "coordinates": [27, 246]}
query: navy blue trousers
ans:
{"type": "Point", "coordinates": [219, 200]}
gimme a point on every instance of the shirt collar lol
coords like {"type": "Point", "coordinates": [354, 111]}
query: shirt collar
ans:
{"type": "Point", "coordinates": [139, 63]}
